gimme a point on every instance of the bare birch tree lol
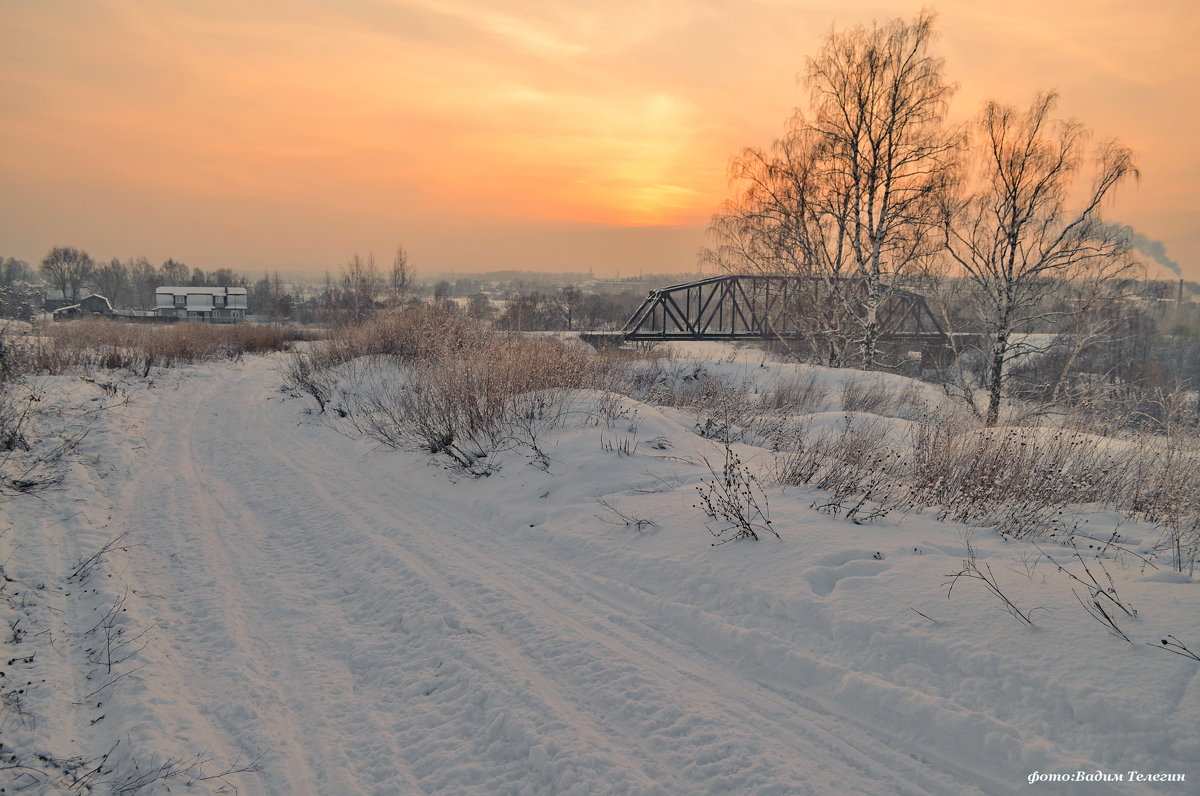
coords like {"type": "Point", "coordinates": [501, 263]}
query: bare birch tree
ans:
{"type": "Point", "coordinates": [878, 103]}
{"type": "Point", "coordinates": [852, 190]}
{"type": "Point", "coordinates": [13, 271]}
{"type": "Point", "coordinates": [783, 221]}
{"type": "Point", "coordinates": [174, 272]}
{"type": "Point", "coordinates": [145, 280]}
{"type": "Point", "coordinates": [1015, 236]}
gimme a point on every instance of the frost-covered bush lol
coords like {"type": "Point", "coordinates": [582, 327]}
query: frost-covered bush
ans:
{"type": "Point", "coordinates": [12, 407]}
{"type": "Point", "coordinates": [719, 403]}
{"type": "Point", "coordinates": [803, 392]}
{"type": "Point", "coordinates": [442, 382]}
{"type": "Point", "coordinates": [466, 404]}
{"type": "Point", "coordinates": [874, 395]}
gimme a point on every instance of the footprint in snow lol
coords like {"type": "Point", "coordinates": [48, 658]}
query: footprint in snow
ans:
{"type": "Point", "coordinates": [824, 577]}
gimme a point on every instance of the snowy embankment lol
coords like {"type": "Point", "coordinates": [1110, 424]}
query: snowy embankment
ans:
{"type": "Point", "coordinates": [351, 620]}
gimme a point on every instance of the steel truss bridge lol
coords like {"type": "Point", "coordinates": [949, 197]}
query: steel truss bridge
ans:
{"type": "Point", "coordinates": [752, 307]}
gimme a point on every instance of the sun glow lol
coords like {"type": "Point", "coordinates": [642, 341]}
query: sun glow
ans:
{"type": "Point", "coordinates": [384, 120]}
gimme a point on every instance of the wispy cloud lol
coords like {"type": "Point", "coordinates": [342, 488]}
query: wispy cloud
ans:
{"type": "Point", "coordinates": [521, 32]}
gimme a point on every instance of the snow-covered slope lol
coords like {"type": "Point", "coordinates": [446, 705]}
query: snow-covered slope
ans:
{"type": "Point", "coordinates": [363, 621]}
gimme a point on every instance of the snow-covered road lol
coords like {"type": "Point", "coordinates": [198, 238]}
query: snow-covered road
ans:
{"type": "Point", "coordinates": [331, 615]}
{"type": "Point", "coordinates": [362, 621]}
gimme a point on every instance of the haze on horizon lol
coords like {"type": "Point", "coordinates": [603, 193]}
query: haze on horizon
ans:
{"type": "Point", "coordinates": [481, 136]}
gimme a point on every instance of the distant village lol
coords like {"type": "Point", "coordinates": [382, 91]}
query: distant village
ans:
{"type": "Point", "coordinates": [69, 285]}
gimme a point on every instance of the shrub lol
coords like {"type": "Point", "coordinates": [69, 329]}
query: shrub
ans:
{"type": "Point", "coordinates": [1018, 480]}
{"type": "Point", "coordinates": [466, 402]}
{"type": "Point", "coordinates": [875, 396]}
{"type": "Point", "coordinates": [735, 501]}
{"type": "Point", "coordinates": [720, 404]}
{"type": "Point", "coordinates": [441, 382]}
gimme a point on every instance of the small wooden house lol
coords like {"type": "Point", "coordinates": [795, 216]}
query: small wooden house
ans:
{"type": "Point", "coordinates": [95, 304]}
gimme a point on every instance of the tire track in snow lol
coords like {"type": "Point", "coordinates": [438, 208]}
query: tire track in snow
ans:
{"type": "Point", "coordinates": [487, 663]}
{"type": "Point", "coordinates": [345, 635]}
{"type": "Point", "coordinates": [226, 597]}
{"type": "Point", "coordinates": [448, 554]}
{"type": "Point", "coordinates": [267, 670]}
{"type": "Point", "coordinates": [570, 600]}
{"type": "Point", "coordinates": [217, 588]}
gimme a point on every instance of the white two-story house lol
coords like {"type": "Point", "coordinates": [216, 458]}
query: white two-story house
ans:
{"type": "Point", "coordinates": [214, 304]}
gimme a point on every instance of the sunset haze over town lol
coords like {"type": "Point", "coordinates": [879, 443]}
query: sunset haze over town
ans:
{"type": "Point", "coordinates": [548, 136]}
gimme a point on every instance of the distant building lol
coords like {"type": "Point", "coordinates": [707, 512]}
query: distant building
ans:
{"type": "Point", "coordinates": [95, 304]}
{"type": "Point", "coordinates": [213, 304]}
{"type": "Point", "coordinates": [53, 299]}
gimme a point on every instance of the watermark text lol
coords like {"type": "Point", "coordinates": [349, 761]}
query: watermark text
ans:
{"type": "Point", "coordinates": [1105, 776]}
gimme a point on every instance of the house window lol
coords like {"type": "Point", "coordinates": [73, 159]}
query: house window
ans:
{"type": "Point", "coordinates": [181, 301]}
{"type": "Point", "coordinates": [218, 301]}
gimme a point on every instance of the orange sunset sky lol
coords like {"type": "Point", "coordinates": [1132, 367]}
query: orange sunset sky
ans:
{"type": "Point", "coordinates": [548, 135]}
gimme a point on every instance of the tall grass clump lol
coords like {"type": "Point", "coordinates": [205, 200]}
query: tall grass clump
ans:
{"type": "Point", "coordinates": [1016, 480]}
{"type": "Point", "coordinates": [30, 457]}
{"type": "Point", "coordinates": [1019, 479]}
{"type": "Point", "coordinates": [875, 396]}
{"type": "Point", "coordinates": [797, 394]}
{"type": "Point", "coordinates": [434, 380]}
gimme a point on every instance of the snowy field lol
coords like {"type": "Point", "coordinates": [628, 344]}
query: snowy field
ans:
{"type": "Point", "coordinates": [285, 597]}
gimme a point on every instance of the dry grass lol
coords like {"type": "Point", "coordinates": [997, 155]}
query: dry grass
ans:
{"type": "Point", "coordinates": [441, 382]}
{"type": "Point", "coordinates": [1018, 480]}
{"type": "Point", "coordinates": [416, 332]}
{"type": "Point", "coordinates": [872, 394]}
{"type": "Point", "coordinates": [467, 403]}
{"type": "Point", "coordinates": [719, 403]}
{"type": "Point", "coordinates": [102, 344]}
{"type": "Point", "coordinates": [16, 401]}
{"type": "Point", "coordinates": [28, 458]}
{"type": "Point", "coordinates": [799, 394]}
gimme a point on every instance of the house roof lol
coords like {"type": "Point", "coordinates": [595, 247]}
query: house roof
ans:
{"type": "Point", "coordinates": [79, 307]}
{"type": "Point", "coordinates": [180, 290]}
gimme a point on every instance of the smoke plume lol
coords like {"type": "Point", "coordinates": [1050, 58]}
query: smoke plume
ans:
{"type": "Point", "coordinates": [1154, 249]}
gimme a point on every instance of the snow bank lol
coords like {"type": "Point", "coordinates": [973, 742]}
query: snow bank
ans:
{"type": "Point", "coordinates": [366, 621]}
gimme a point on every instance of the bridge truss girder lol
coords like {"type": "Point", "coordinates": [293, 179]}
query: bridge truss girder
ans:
{"type": "Point", "coordinates": [764, 307]}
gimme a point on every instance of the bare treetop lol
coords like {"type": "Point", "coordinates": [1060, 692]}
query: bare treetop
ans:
{"type": "Point", "coordinates": [1014, 229]}
{"type": "Point", "coordinates": [853, 188]}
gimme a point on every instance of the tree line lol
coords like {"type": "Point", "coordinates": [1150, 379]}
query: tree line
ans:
{"type": "Point", "coordinates": [358, 289]}
{"type": "Point", "coordinates": [130, 283]}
